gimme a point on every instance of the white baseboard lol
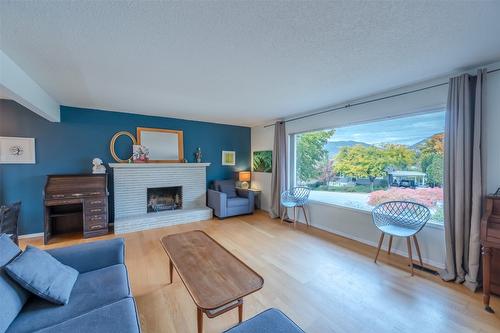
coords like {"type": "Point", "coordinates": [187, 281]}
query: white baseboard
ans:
{"type": "Point", "coordinates": [385, 247]}
{"type": "Point", "coordinates": [375, 245]}
{"type": "Point", "coordinates": [38, 234]}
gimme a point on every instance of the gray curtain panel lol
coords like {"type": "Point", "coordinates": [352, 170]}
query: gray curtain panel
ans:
{"type": "Point", "coordinates": [278, 180]}
{"type": "Point", "coordinates": [463, 184]}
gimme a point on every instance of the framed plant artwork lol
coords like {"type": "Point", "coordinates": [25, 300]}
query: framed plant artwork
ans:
{"type": "Point", "coordinates": [262, 161]}
{"type": "Point", "coordinates": [17, 150]}
{"type": "Point", "coordinates": [228, 157]}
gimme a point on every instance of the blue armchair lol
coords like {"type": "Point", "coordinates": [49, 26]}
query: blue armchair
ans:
{"type": "Point", "coordinates": [227, 200]}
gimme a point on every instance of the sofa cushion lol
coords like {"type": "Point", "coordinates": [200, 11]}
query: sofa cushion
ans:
{"type": "Point", "coordinates": [91, 256]}
{"type": "Point", "coordinates": [37, 271]}
{"type": "Point", "coordinates": [226, 186]}
{"type": "Point", "coordinates": [269, 321]}
{"type": "Point", "coordinates": [13, 299]}
{"type": "Point", "coordinates": [118, 317]}
{"type": "Point", "coordinates": [13, 296]}
{"type": "Point", "coordinates": [92, 290]}
{"type": "Point", "coordinates": [237, 202]}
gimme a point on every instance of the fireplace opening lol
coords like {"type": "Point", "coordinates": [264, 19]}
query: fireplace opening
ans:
{"type": "Point", "coordinates": [164, 198]}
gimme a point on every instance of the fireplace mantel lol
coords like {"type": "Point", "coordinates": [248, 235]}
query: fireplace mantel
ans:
{"type": "Point", "coordinates": [158, 165]}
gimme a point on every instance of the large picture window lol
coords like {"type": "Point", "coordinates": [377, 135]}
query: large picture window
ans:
{"type": "Point", "coordinates": [363, 165]}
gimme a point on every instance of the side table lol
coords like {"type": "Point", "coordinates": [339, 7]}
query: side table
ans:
{"type": "Point", "coordinates": [257, 194]}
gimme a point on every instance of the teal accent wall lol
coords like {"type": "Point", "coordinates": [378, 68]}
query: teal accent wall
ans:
{"type": "Point", "coordinates": [69, 147]}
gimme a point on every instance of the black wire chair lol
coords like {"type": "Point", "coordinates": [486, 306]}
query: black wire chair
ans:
{"type": "Point", "coordinates": [401, 219]}
{"type": "Point", "coordinates": [296, 197]}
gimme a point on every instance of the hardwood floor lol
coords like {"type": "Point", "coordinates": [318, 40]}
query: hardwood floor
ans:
{"type": "Point", "coordinates": [324, 282]}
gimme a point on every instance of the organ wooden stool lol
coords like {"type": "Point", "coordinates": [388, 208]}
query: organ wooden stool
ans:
{"type": "Point", "coordinates": [490, 241]}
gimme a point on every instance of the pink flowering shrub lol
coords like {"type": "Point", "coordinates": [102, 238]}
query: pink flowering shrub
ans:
{"type": "Point", "coordinates": [425, 196]}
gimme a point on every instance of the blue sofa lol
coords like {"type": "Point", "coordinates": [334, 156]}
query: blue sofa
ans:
{"type": "Point", "coordinates": [269, 321]}
{"type": "Point", "coordinates": [227, 200]}
{"type": "Point", "coordinates": [101, 299]}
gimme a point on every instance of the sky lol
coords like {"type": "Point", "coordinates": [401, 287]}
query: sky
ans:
{"type": "Point", "coordinates": [407, 130]}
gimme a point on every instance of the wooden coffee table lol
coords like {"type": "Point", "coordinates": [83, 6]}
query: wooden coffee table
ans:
{"type": "Point", "coordinates": [216, 280]}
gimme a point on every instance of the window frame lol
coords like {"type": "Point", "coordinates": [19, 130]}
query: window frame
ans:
{"type": "Point", "coordinates": [292, 161]}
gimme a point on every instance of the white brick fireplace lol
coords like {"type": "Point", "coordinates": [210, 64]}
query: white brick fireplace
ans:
{"type": "Point", "coordinates": [131, 182]}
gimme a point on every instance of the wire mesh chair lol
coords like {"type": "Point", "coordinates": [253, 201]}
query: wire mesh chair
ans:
{"type": "Point", "coordinates": [296, 197]}
{"type": "Point", "coordinates": [401, 219]}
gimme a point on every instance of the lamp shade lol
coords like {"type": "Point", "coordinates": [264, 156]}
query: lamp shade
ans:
{"type": "Point", "coordinates": [244, 176]}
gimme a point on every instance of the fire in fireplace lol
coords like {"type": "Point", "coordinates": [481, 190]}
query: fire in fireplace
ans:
{"type": "Point", "coordinates": [164, 198]}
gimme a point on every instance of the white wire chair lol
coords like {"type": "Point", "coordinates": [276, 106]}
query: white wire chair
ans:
{"type": "Point", "coordinates": [401, 219]}
{"type": "Point", "coordinates": [296, 197]}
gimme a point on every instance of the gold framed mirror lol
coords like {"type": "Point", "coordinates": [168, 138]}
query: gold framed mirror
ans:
{"type": "Point", "coordinates": [165, 146]}
{"type": "Point", "coordinates": [112, 145]}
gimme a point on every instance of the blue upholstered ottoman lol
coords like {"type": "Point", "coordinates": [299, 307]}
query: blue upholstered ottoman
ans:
{"type": "Point", "coordinates": [269, 321]}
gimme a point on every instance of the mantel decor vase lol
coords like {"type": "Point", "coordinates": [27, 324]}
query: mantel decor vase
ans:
{"type": "Point", "coordinates": [197, 155]}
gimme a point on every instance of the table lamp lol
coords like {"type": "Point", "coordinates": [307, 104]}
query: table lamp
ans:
{"type": "Point", "coordinates": [244, 177]}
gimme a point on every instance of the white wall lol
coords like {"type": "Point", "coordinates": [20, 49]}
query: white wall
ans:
{"type": "Point", "coordinates": [262, 139]}
{"type": "Point", "coordinates": [356, 224]}
{"type": "Point", "coordinates": [417, 102]}
{"type": "Point", "coordinates": [15, 84]}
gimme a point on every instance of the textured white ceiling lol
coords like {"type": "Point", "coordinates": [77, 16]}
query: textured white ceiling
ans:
{"type": "Point", "coordinates": [239, 62]}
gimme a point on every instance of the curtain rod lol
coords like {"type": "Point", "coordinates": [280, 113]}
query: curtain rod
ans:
{"type": "Point", "coordinates": [349, 105]}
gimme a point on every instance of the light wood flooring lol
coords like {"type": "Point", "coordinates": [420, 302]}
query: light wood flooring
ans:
{"type": "Point", "coordinates": [324, 282]}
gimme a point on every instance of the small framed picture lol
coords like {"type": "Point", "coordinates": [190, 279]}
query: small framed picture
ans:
{"type": "Point", "coordinates": [140, 154]}
{"type": "Point", "coordinates": [228, 157]}
{"type": "Point", "coordinates": [17, 150]}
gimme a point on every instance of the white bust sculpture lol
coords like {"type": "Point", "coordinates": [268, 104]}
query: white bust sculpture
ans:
{"type": "Point", "coordinates": [98, 167]}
